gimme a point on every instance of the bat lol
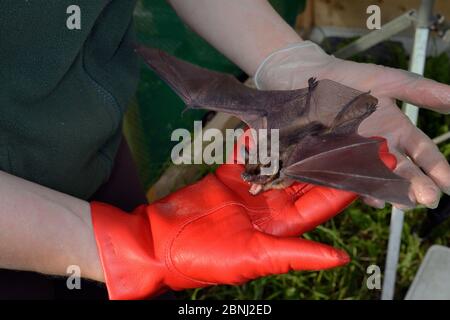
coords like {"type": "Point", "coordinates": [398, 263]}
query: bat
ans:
{"type": "Point", "coordinates": [318, 139]}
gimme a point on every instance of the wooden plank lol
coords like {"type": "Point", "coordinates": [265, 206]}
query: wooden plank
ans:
{"type": "Point", "coordinates": [305, 21]}
{"type": "Point", "coordinates": [352, 13]}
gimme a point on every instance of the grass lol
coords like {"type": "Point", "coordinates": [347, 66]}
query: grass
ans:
{"type": "Point", "coordinates": [360, 230]}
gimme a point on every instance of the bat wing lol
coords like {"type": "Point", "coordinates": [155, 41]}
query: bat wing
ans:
{"type": "Point", "coordinates": [328, 106]}
{"type": "Point", "coordinates": [202, 88]}
{"type": "Point", "coordinates": [338, 107]}
{"type": "Point", "coordinates": [348, 162]}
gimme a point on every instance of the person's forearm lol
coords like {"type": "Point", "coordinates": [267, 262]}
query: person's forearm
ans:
{"type": "Point", "coordinates": [45, 231]}
{"type": "Point", "coordinates": [246, 31]}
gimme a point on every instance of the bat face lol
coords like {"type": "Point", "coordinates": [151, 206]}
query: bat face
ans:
{"type": "Point", "coordinates": [318, 140]}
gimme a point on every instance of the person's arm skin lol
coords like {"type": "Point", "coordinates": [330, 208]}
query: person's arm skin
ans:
{"type": "Point", "coordinates": [246, 31]}
{"type": "Point", "coordinates": [45, 231]}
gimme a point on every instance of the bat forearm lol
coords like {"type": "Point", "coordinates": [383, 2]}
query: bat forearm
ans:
{"type": "Point", "coordinates": [244, 31]}
{"type": "Point", "coordinates": [45, 231]}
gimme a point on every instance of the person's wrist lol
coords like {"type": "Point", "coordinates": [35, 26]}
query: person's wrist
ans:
{"type": "Point", "coordinates": [269, 46]}
{"type": "Point", "coordinates": [278, 69]}
{"type": "Point", "coordinates": [126, 250]}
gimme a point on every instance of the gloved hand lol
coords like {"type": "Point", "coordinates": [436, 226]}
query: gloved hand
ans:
{"type": "Point", "coordinates": [291, 67]}
{"type": "Point", "coordinates": [215, 232]}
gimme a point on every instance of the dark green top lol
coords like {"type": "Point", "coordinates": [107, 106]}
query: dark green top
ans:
{"type": "Point", "coordinates": [63, 92]}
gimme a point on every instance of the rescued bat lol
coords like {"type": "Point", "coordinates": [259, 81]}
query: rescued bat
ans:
{"type": "Point", "coordinates": [318, 140]}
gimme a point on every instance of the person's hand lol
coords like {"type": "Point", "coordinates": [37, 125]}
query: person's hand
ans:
{"type": "Point", "coordinates": [418, 159]}
{"type": "Point", "coordinates": [216, 232]}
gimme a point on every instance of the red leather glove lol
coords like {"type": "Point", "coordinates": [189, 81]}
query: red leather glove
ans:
{"type": "Point", "coordinates": [215, 232]}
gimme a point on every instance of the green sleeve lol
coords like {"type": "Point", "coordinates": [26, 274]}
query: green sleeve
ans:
{"type": "Point", "coordinates": [64, 92]}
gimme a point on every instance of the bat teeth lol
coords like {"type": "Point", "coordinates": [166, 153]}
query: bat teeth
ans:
{"type": "Point", "coordinates": [255, 189]}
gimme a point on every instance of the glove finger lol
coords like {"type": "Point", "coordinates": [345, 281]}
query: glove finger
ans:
{"type": "Point", "coordinates": [317, 206]}
{"type": "Point", "coordinates": [427, 156]}
{"type": "Point", "coordinates": [412, 88]}
{"type": "Point", "coordinates": [281, 255]}
{"type": "Point", "coordinates": [423, 189]}
{"type": "Point", "coordinates": [387, 157]}
{"type": "Point", "coordinates": [373, 202]}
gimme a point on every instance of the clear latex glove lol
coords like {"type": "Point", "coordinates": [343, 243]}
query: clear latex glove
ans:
{"type": "Point", "coordinates": [419, 160]}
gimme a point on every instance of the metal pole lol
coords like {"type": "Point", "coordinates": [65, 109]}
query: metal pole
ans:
{"type": "Point", "coordinates": [417, 65]}
{"type": "Point", "coordinates": [388, 30]}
